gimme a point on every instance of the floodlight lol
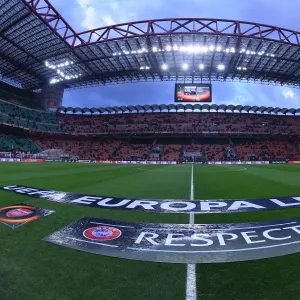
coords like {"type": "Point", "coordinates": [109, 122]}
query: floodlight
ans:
{"type": "Point", "coordinates": [164, 67]}
{"type": "Point", "coordinates": [221, 67]}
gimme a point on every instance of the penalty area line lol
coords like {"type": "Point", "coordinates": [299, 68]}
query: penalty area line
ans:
{"type": "Point", "coordinates": [191, 289]}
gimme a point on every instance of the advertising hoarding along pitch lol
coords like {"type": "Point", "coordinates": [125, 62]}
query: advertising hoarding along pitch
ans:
{"type": "Point", "coordinates": [159, 206]}
{"type": "Point", "coordinates": [177, 243]}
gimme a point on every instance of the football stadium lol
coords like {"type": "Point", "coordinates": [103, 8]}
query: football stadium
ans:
{"type": "Point", "coordinates": [188, 199]}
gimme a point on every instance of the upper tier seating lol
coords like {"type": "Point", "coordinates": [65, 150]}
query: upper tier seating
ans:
{"type": "Point", "coordinates": [29, 118]}
{"type": "Point", "coordinates": [150, 123]}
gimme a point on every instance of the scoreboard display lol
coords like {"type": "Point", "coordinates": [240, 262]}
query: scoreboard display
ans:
{"type": "Point", "coordinates": [193, 92]}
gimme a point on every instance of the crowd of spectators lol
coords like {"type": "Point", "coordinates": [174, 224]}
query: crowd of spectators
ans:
{"type": "Point", "coordinates": [275, 135]}
{"type": "Point", "coordinates": [128, 151]}
{"type": "Point", "coordinates": [189, 123]}
{"type": "Point", "coordinates": [150, 123]}
{"type": "Point", "coordinates": [102, 149]}
{"type": "Point", "coordinates": [115, 149]}
{"type": "Point", "coordinates": [277, 149]}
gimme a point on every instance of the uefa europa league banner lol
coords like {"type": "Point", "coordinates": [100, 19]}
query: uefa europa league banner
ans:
{"type": "Point", "coordinates": [159, 206]}
{"type": "Point", "coordinates": [175, 243]}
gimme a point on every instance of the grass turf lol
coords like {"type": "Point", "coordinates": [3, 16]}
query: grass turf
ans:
{"type": "Point", "coordinates": [33, 269]}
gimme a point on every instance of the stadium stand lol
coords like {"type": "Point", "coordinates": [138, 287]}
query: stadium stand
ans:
{"type": "Point", "coordinates": [12, 143]}
{"type": "Point", "coordinates": [18, 96]}
{"type": "Point", "coordinates": [179, 136]}
{"type": "Point", "coordinates": [190, 123]}
{"type": "Point", "coordinates": [21, 116]}
{"type": "Point", "coordinates": [69, 145]}
{"type": "Point", "coordinates": [129, 151]}
{"type": "Point", "coordinates": [102, 149]}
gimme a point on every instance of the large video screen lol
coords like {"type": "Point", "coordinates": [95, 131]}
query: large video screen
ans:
{"type": "Point", "coordinates": [193, 92]}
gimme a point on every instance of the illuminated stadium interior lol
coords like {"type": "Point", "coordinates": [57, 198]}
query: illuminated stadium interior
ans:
{"type": "Point", "coordinates": [128, 150]}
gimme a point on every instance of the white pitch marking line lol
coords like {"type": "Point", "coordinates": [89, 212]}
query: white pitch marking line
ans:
{"type": "Point", "coordinates": [79, 240]}
{"type": "Point", "coordinates": [191, 288]}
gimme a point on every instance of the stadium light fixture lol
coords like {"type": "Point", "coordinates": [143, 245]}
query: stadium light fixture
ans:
{"type": "Point", "coordinates": [185, 66]}
{"type": "Point", "coordinates": [66, 74]}
{"type": "Point", "coordinates": [201, 66]}
{"type": "Point", "coordinates": [221, 67]}
{"type": "Point", "coordinates": [164, 67]}
{"type": "Point", "coordinates": [60, 65]}
{"type": "Point", "coordinates": [189, 49]}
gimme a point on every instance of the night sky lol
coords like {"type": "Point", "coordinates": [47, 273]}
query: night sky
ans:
{"type": "Point", "coordinates": [88, 14]}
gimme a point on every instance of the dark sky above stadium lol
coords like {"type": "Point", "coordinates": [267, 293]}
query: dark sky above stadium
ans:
{"type": "Point", "coordinates": [89, 14]}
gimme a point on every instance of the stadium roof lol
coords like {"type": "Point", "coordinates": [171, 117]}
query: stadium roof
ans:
{"type": "Point", "coordinates": [181, 107]}
{"type": "Point", "coordinates": [32, 33]}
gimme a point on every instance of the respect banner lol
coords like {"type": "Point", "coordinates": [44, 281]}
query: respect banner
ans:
{"type": "Point", "coordinates": [178, 243]}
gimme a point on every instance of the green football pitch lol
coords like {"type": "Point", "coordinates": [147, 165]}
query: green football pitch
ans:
{"type": "Point", "coordinates": [32, 269]}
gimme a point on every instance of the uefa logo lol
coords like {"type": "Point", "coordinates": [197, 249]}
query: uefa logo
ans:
{"type": "Point", "coordinates": [102, 233]}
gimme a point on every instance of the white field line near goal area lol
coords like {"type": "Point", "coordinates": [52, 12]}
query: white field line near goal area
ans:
{"type": "Point", "coordinates": [191, 288]}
